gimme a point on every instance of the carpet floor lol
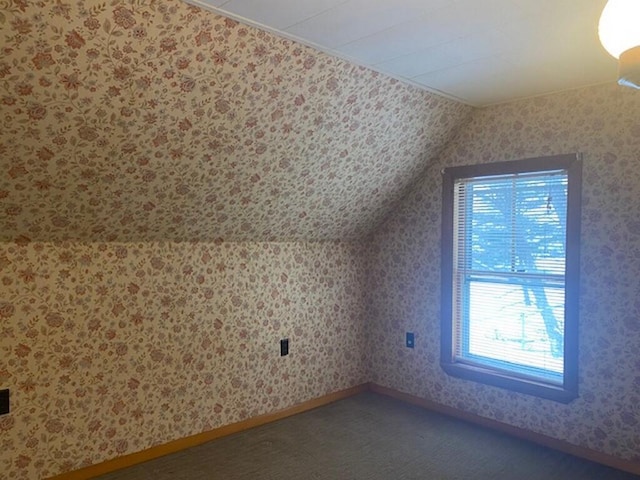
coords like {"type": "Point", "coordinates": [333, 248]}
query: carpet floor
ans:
{"type": "Point", "coordinates": [368, 437]}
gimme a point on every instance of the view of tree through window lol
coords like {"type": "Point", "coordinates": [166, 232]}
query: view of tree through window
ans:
{"type": "Point", "coordinates": [506, 272]}
{"type": "Point", "coordinates": [512, 270]}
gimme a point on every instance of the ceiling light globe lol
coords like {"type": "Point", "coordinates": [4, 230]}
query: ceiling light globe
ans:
{"type": "Point", "coordinates": [619, 27]}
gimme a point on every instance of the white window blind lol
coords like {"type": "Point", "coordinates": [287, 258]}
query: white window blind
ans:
{"type": "Point", "coordinates": [509, 258]}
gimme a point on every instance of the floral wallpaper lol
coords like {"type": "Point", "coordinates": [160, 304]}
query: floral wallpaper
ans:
{"type": "Point", "coordinates": [158, 121]}
{"type": "Point", "coordinates": [111, 348]}
{"type": "Point", "coordinates": [155, 160]}
{"type": "Point", "coordinates": [404, 282]}
{"type": "Point", "coordinates": [142, 142]}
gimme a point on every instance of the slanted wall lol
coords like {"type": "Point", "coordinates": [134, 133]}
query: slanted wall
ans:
{"type": "Point", "coordinates": [178, 192]}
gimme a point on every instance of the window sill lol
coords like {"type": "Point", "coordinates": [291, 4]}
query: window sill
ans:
{"type": "Point", "coordinates": [558, 393]}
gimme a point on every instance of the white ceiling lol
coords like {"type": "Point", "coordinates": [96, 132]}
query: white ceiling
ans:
{"type": "Point", "coordinates": [480, 52]}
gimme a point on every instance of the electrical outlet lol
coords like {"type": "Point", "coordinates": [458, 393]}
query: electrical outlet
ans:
{"type": "Point", "coordinates": [4, 402]}
{"type": "Point", "coordinates": [284, 347]}
{"type": "Point", "coordinates": [410, 340]}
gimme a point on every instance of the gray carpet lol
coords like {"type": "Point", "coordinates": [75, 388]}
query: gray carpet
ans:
{"type": "Point", "coordinates": [371, 437]}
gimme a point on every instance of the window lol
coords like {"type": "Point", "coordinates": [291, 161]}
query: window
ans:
{"type": "Point", "coordinates": [510, 267]}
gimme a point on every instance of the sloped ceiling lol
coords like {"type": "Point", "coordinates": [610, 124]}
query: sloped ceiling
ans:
{"type": "Point", "coordinates": [155, 121]}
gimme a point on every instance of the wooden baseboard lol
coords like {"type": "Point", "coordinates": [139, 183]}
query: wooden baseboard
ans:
{"type": "Point", "coordinates": [540, 439]}
{"type": "Point", "coordinates": [183, 443]}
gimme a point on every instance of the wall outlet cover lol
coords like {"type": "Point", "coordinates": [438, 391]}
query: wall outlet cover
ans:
{"type": "Point", "coordinates": [4, 402]}
{"type": "Point", "coordinates": [284, 347]}
{"type": "Point", "coordinates": [410, 340]}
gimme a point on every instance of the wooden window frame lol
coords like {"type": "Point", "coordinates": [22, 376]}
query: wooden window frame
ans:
{"type": "Point", "coordinates": [568, 390]}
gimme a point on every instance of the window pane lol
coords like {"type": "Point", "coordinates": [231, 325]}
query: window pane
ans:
{"type": "Point", "coordinates": [515, 326]}
{"type": "Point", "coordinates": [516, 224]}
